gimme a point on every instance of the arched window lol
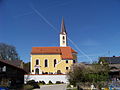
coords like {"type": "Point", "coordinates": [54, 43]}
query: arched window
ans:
{"type": "Point", "coordinates": [37, 62]}
{"type": "Point", "coordinates": [59, 72]}
{"type": "Point", "coordinates": [66, 61]}
{"type": "Point", "coordinates": [63, 38]}
{"type": "Point", "coordinates": [74, 61]}
{"type": "Point", "coordinates": [36, 71]}
{"type": "Point", "coordinates": [46, 63]}
{"type": "Point", "coordinates": [55, 62]}
{"type": "Point", "coordinates": [67, 68]}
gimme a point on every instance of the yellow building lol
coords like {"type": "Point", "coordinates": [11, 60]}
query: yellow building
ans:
{"type": "Point", "coordinates": [53, 60]}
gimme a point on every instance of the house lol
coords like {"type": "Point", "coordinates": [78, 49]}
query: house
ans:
{"type": "Point", "coordinates": [11, 73]}
{"type": "Point", "coordinates": [114, 64]}
{"type": "Point", "coordinates": [53, 60]}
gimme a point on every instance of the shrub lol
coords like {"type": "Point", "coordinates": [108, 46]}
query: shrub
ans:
{"type": "Point", "coordinates": [43, 82]}
{"type": "Point", "coordinates": [50, 82]}
{"type": "Point", "coordinates": [28, 87]}
{"type": "Point", "coordinates": [33, 83]}
{"type": "Point", "coordinates": [36, 86]}
{"type": "Point", "coordinates": [58, 82]}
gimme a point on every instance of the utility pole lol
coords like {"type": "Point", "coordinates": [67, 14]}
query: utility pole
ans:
{"type": "Point", "coordinates": [109, 56]}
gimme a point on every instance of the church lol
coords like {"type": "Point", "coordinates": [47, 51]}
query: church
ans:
{"type": "Point", "coordinates": [53, 60]}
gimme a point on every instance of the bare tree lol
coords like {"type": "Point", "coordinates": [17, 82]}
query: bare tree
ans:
{"type": "Point", "coordinates": [8, 52]}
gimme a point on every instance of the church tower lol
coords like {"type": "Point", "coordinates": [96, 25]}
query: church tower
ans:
{"type": "Point", "coordinates": [63, 35]}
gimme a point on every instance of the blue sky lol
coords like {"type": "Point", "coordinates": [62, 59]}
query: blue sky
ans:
{"type": "Point", "coordinates": [93, 25]}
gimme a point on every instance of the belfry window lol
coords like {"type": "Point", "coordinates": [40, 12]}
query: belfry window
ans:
{"type": "Point", "coordinates": [46, 63]}
{"type": "Point", "coordinates": [55, 62]}
{"type": "Point", "coordinates": [63, 38]}
{"type": "Point", "coordinates": [37, 62]}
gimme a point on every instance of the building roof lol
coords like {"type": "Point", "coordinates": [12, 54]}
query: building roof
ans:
{"type": "Point", "coordinates": [63, 29]}
{"type": "Point", "coordinates": [65, 52]}
{"type": "Point", "coordinates": [111, 60]}
{"type": "Point", "coordinates": [15, 64]}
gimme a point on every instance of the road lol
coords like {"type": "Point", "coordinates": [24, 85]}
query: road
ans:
{"type": "Point", "coordinates": [53, 87]}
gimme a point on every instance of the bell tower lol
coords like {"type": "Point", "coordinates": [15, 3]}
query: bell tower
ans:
{"type": "Point", "coordinates": [63, 35]}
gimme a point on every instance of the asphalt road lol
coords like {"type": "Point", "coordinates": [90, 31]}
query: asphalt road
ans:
{"type": "Point", "coordinates": [53, 87]}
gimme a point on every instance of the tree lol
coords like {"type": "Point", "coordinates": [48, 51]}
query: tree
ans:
{"type": "Point", "coordinates": [8, 52]}
{"type": "Point", "coordinates": [26, 67]}
{"type": "Point", "coordinates": [93, 73]}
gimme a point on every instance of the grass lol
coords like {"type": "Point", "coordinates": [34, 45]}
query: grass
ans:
{"type": "Point", "coordinates": [71, 89]}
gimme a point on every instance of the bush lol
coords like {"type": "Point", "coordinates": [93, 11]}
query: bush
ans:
{"type": "Point", "coordinates": [40, 81]}
{"type": "Point", "coordinates": [58, 82]}
{"type": "Point", "coordinates": [27, 87]}
{"type": "Point", "coordinates": [50, 82]}
{"type": "Point", "coordinates": [33, 83]}
{"type": "Point", "coordinates": [43, 82]}
{"type": "Point", "coordinates": [36, 86]}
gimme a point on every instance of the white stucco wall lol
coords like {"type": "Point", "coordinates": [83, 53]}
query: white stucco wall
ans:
{"type": "Point", "coordinates": [46, 78]}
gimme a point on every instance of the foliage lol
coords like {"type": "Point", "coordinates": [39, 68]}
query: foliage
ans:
{"type": "Point", "coordinates": [33, 83]}
{"type": "Point", "coordinates": [102, 61]}
{"type": "Point", "coordinates": [50, 82]}
{"type": "Point", "coordinates": [58, 82]}
{"type": "Point", "coordinates": [8, 52]}
{"type": "Point", "coordinates": [26, 66]}
{"type": "Point", "coordinates": [93, 73]}
{"type": "Point", "coordinates": [42, 82]}
{"type": "Point", "coordinates": [28, 87]}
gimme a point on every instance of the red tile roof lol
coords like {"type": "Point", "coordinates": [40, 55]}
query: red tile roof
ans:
{"type": "Point", "coordinates": [66, 52]}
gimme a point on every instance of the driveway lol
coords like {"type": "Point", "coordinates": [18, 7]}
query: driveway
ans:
{"type": "Point", "coordinates": [53, 87]}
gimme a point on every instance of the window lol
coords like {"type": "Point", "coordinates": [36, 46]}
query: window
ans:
{"type": "Point", "coordinates": [36, 71]}
{"type": "Point", "coordinates": [37, 62]}
{"type": "Point", "coordinates": [59, 72]}
{"type": "Point", "coordinates": [66, 61]}
{"type": "Point", "coordinates": [46, 63]}
{"type": "Point", "coordinates": [55, 62]}
{"type": "Point", "coordinates": [32, 70]}
{"type": "Point", "coordinates": [63, 41]}
{"type": "Point", "coordinates": [63, 38]}
{"type": "Point", "coordinates": [67, 68]}
{"type": "Point", "coordinates": [4, 69]}
{"type": "Point", "coordinates": [74, 61]}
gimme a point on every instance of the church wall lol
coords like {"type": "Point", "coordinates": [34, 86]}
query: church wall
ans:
{"type": "Point", "coordinates": [62, 66]}
{"type": "Point", "coordinates": [41, 58]}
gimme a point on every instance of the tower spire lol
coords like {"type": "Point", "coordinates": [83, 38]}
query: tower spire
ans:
{"type": "Point", "coordinates": [63, 29]}
{"type": "Point", "coordinates": [63, 35]}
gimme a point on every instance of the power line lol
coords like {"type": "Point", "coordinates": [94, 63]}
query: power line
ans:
{"type": "Point", "coordinates": [39, 14]}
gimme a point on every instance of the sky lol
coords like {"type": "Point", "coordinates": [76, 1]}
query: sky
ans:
{"type": "Point", "coordinates": [93, 26]}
